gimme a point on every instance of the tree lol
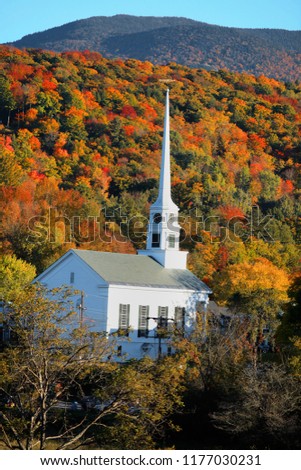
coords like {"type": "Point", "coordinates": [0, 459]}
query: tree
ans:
{"type": "Point", "coordinates": [15, 274]}
{"type": "Point", "coordinates": [265, 410]}
{"type": "Point", "coordinates": [152, 394]}
{"type": "Point", "coordinates": [215, 351]}
{"type": "Point", "coordinates": [7, 100]}
{"type": "Point", "coordinates": [252, 404]}
{"type": "Point", "coordinates": [257, 289]}
{"type": "Point", "coordinates": [34, 246]}
{"type": "Point", "coordinates": [10, 171]}
{"type": "Point", "coordinates": [289, 332]}
{"type": "Point", "coordinates": [53, 360]}
{"type": "Point", "coordinates": [43, 366]}
{"type": "Point", "coordinates": [213, 357]}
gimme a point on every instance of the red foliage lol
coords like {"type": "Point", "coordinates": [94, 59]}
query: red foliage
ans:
{"type": "Point", "coordinates": [97, 157]}
{"type": "Point", "coordinates": [25, 193]}
{"type": "Point", "coordinates": [128, 112]}
{"type": "Point", "coordinates": [48, 85]}
{"type": "Point", "coordinates": [20, 71]}
{"type": "Point", "coordinates": [231, 212]}
{"type": "Point", "coordinates": [75, 56]}
{"type": "Point", "coordinates": [257, 142]}
{"type": "Point", "coordinates": [103, 138]}
{"type": "Point", "coordinates": [256, 168]}
{"type": "Point", "coordinates": [17, 91]}
{"type": "Point", "coordinates": [6, 142]}
{"type": "Point", "coordinates": [222, 258]}
{"type": "Point", "coordinates": [287, 187]}
{"type": "Point", "coordinates": [149, 112]}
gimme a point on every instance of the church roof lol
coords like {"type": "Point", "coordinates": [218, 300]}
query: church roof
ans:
{"type": "Point", "coordinates": [139, 270]}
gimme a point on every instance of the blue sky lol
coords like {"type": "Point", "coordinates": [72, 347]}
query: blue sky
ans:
{"type": "Point", "coordinates": [20, 17]}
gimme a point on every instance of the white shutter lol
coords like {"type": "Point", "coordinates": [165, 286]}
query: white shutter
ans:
{"type": "Point", "coordinates": [124, 317]}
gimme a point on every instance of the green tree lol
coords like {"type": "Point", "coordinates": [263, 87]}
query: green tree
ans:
{"type": "Point", "coordinates": [270, 184]}
{"type": "Point", "coordinates": [7, 101]}
{"type": "Point", "coordinates": [15, 274]}
{"type": "Point", "coordinates": [48, 103]}
{"type": "Point", "coordinates": [10, 171]}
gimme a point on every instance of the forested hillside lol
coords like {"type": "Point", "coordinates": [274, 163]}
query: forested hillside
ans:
{"type": "Point", "coordinates": [80, 148]}
{"type": "Point", "coordinates": [272, 52]}
{"type": "Point", "coordinates": [80, 133]}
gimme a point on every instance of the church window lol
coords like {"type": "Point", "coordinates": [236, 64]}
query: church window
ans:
{"type": "Point", "coordinates": [171, 220]}
{"type": "Point", "coordinates": [156, 240]}
{"type": "Point", "coordinates": [71, 278]}
{"type": "Point", "coordinates": [179, 319]}
{"type": "Point", "coordinates": [124, 319]}
{"type": "Point", "coordinates": [119, 351]}
{"type": "Point", "coordinates": [143, 321]}
{"type": "Point", "coordinates": [171, 241]}
{"type": "Point", "coordinates": [157, 218]}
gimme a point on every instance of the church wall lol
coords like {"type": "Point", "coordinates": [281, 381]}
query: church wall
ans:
{"type": "Point", "coordinates": [86, 280]}
{"type": "Point", "coordinates": [134, 346]}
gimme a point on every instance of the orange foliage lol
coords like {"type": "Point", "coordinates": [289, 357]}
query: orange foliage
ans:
{"type": "Point", "coordinates": [89, 99]}
{"type": "Point", "coordinates": [36, 176]}
{"type": "Point", "coordinates": [250, 278]}
{"type": "Point", "coordinates": [6, 142]}
{"type": "Point", "coordinates": [31, 115]}
{"type": "Point", "coordinates": [149, 112]}
{"type": "Point", "coordinates": [20, 71]}
{"type": "Point", "coordinates": [48, 84]}
{"type": "Point", "coordinates": [257, 142]}
{"type": "Point", "coordinates": [129, 130]}
{"type": "Point", "coordinates": [260, 163]}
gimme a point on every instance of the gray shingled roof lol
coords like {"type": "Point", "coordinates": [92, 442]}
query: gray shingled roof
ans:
{"type": "Point", "coordinates": [139, 270]}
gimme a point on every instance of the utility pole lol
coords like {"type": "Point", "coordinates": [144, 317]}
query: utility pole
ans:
{"type": "Point", "coordinates": [81, 309]}
{"type": "Point", "coordinates": [162, 329]}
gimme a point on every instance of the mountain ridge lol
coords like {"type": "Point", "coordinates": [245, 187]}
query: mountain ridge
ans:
{"type": "Point", "coordinates": [275, 53]}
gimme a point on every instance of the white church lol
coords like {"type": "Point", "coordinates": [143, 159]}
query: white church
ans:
{"type": "Point", "coordinates": [137, 297]}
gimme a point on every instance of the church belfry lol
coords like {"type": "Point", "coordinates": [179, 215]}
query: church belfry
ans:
{"type": "Point", "coordinates": [163, 228]}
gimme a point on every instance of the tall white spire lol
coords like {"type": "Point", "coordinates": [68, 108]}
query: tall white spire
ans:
{"type": "Point", "coordinates": [163, 229]}
{"type": "Point", "coordinates": [164, 196]}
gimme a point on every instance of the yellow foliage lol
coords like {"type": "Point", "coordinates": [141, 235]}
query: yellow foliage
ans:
{"type": "Point", "coordinates": [250, 278]}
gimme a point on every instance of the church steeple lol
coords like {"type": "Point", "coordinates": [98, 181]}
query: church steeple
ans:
{"type": "Point", "coordinates": [164, 196]}
{"type": "Point", "coordinates": [163, 229]}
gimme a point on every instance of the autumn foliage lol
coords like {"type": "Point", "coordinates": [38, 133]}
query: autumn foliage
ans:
{"type": "Point", "coordinates": [82, 135]}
